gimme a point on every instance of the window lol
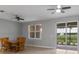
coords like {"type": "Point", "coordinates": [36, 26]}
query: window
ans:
{"type": "Point", "coordinates": [34, 31]}
{"type": "Point", "coordinates": [67, 33]}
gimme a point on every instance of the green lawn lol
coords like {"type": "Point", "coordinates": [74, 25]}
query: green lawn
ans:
{"type": "Point", "coordinates": [71, 39]}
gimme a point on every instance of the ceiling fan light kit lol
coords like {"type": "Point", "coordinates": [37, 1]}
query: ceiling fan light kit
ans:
{"type": "Point", "coordinates": [58, 6]}
{"type": "Point", "coordinates": [59, 9]}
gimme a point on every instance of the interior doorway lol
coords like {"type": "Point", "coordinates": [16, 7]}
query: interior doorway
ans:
{"type": "Point", "coordinates": [67, 35]}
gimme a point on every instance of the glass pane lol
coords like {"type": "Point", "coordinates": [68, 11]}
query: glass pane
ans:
{"type": "Point", "coordinates": [61, 31]}
{"type": "Point", "coordinates": [38, 27]}
{"type": "Point", "coordinates": [32, 28]}
{"type": "Point", "coordinates": [32, 35]}
{"type": "Point", "coordinates": [37, 34]}
{"type": "Point", "coordinates": [72, 33]}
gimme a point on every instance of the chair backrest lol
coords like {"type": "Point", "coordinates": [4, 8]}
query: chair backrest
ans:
{"type": "Point", "coordinates": [0, 42]}
{"type": "Point", "coordinates": [5, 41]}
{"type": "Point", "coordinates": [21, 41]}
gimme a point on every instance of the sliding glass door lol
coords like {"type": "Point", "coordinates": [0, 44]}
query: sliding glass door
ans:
{"type": "Point", "coordinates": [61, 32]}
{"type": "Point", "coordinates": [72, 33]}
{"type": "Point", "coordinates": [67, 33]}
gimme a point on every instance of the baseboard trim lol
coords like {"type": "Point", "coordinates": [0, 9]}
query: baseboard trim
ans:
{"type": "Point", "coordinates": [40, 46]}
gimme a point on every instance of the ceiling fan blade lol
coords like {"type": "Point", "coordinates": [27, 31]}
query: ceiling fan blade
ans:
{"type": "Point", "coordinates": [66, 7]}
{"type": "Point", "coordinates": [50, 9]}
{"type": "Point", "coordinates": [18, 17]}
{"type": "Point", "coordinates": [21, 19]}
{"type": "Point", "coordinates": [2, 11]}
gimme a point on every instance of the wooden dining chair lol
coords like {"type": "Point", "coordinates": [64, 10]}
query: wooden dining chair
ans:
{"type": "Point", "coordinates": [21, 43]}
{"type": "Point", "coordinates": [5, 44]}
{"type": "Point", "coordinates": [0, 44]}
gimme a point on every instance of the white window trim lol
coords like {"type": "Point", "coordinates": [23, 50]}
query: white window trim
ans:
{"type": "Point", "coordinates": [34, 31]}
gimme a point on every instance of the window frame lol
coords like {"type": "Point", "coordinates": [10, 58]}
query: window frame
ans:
{"type": "Point", "coordinates": [34, 31]}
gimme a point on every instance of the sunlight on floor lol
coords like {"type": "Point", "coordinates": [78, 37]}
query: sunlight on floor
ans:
{"type": "Point", "coordinates": [63, 51]}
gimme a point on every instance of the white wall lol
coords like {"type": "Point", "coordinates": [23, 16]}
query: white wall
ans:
{"type": "Point", "coordinates": [10, 29]}
{"type": "Point", "coordinates": [48, 34]}
{"type": "Point", "coordinates": [48, 39]}
{"type": "Point", "coordinates": [49, 31]}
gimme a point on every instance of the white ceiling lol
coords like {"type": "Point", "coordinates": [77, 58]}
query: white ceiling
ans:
{"type": "Point", "coordinates": [35, 12]}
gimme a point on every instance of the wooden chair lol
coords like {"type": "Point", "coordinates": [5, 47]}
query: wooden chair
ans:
{"type": "Point", "coordinates": [13, 46]}
{"type": "Point", "coordinates": [21, 43]}
{"type": "Point", "coordinates": [0, 44]}
{"type": "Point", "coordinates": [4, 44]}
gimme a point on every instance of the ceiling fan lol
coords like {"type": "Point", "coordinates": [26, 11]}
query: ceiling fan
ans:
{"type": "Point", "coordinates": [17, 17]}
{"type": "Point", "coordinates": [59, 9]}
